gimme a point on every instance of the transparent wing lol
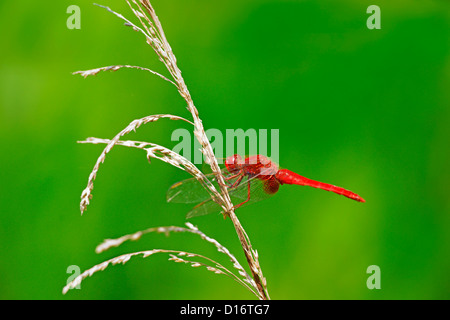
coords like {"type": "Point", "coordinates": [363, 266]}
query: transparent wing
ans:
{"type": "Point", "coordinates": [251, 189]}
{"type": "Point", "coordinates": [259, 189]}
{"type": "Point", "coordinates": [192, 191]}
{"type": "Point", "coordinates": [243, 190]}
{"type": "Point", "coordinates": [206, 207]}
{"type": "Point", "coordinates": [189, 191]}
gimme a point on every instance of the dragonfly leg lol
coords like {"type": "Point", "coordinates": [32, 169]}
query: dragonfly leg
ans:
{"type": "Point", "coordinates": [233, 176]}
{"type": "Point", "coordinates": [237, 182]}
{"type": "Point", "coordinates": [231, 185]}
{"type": "Point", "coordinates": [248, 195]}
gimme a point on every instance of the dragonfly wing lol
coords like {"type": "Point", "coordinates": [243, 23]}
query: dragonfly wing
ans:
{"type": "Point", "coordinates": [191, 190]}
{"type": "Point", "coordinates": [203, 208]}
{"type": "Point", "coordinates": [187, 191]}
{"type": "Point", "coordinates": [260, 189]}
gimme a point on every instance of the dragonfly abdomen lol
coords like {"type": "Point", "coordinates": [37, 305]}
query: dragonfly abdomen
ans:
{"type": "Point", "coordinates": [285, 176]}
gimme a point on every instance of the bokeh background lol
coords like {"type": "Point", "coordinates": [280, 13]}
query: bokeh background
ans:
{"type": "Point", "coordinates": [364, 109]}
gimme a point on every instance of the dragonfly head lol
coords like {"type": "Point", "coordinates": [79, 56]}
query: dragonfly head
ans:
{"type": "Point", "coordinates": [234, 163]}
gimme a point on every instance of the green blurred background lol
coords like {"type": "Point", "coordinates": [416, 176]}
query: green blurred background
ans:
{"type": "Point", "coordinates": [364, 109]}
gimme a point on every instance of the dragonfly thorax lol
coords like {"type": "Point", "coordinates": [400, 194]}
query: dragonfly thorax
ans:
{"type": "Point", "coordinates": [252, 166]}
{"type": "Point", "coordinates": [234, 163]}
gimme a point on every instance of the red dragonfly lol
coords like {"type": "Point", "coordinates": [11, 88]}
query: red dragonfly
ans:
{"type": "Point", "coordinates": [250, 180]}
